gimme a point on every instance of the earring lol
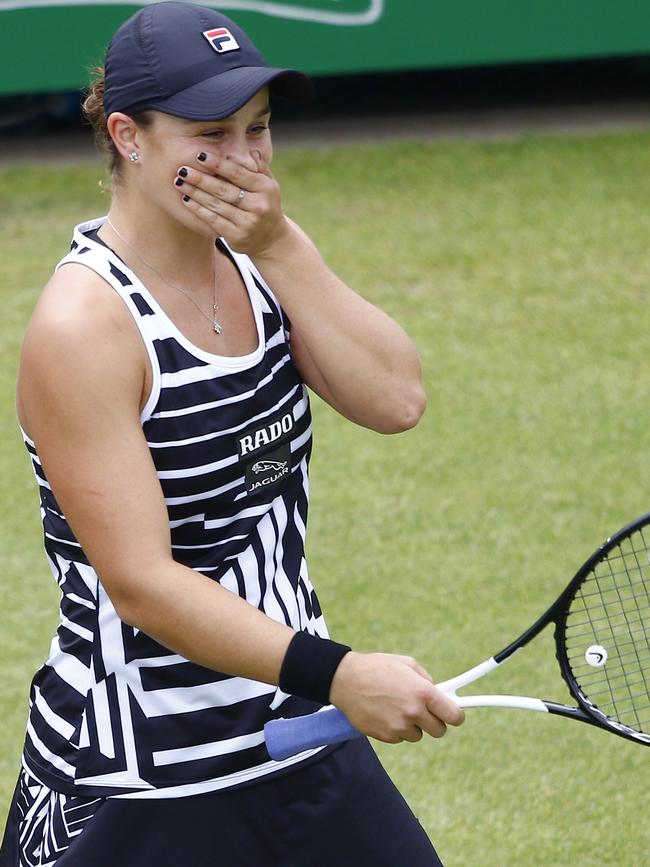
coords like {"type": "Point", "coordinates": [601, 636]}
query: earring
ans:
{"type": "Point", "coordinates": [134, 156]}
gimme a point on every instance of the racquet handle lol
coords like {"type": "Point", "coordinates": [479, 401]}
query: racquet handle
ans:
{"type": "Point", "coordinates": [288, 737]}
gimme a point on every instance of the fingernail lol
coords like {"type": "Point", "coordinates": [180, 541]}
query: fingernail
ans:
{"type": "Point", "coordinates": [179, 182]}
{"type": "Point", "coordinates": [257, 154]}
{"type": "Point", "coordinates": [186, 198]}
{"type": "Point", "coordinates": [202, 157]}
{"type": "Point", "coordinates": [182, 172]}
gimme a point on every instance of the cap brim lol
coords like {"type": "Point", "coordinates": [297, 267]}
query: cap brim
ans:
{"type": "Point", "coordinates": [224, 94]}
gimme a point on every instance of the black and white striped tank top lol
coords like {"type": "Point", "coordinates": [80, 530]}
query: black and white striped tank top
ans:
{"type": "Point", "coordinates": [112, 712]}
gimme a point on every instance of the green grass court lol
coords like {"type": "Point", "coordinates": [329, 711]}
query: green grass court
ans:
{"type": "Point", "coordinates": [522, 271]}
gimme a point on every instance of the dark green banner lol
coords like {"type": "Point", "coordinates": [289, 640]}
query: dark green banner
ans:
{"type": "Point", "coordinates": [47, 46]}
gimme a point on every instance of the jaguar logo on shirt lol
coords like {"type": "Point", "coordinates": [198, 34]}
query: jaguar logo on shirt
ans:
{"type": "Point", "coordinates": [264, 466]}
{"type": "Point", "coordinates": [266, 473]}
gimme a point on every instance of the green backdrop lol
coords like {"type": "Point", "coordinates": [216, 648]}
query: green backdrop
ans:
{"type": "Point", "coordinates": [48, 47]}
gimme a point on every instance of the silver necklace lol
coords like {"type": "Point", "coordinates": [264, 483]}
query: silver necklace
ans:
{"type": "Point", "coordinates": [217, 327]}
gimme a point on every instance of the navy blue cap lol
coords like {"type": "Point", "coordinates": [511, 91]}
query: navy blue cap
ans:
{"type": "Point", "coordinates": [189, 61]}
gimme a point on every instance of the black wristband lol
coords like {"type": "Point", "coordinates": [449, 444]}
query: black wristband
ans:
{"type": "Point", "coordinates": [309, 666]}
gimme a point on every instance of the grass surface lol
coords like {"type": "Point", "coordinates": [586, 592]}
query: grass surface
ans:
{"type": "Point", "coordinates": [521, 271]}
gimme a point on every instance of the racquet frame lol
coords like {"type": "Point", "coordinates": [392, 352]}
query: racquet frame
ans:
{"type": "Point", "coordinates": [329, 726]}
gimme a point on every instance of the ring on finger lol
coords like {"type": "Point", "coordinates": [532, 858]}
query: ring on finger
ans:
{"type": "Point", "coordinates": [240, 198]}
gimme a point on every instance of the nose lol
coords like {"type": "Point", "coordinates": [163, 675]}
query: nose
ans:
{"type": "Point", "coordinates": [239, 151]}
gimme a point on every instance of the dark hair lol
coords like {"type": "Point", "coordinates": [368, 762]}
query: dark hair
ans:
{"type": "Point", "coordinates": [93, 109]}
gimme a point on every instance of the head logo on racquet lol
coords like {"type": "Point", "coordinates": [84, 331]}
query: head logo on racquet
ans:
{"type": "Point", "coordinates": [596, 655]}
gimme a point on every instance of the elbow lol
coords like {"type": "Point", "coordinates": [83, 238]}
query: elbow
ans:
{"type": "Point", "coordinates": [407, 412]}
{"type": "Point", "coordinates": [130, 597]}
{"type": "Point", "coordinates": [413, 410]}
{"type": "Point", "coordinates": [127, 608]}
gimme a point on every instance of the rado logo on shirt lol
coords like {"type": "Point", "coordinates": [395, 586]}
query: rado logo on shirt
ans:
{"type": "Point", "coordinates": [266, 453]}
{"type": "Point", "coordinates": [262, 437]}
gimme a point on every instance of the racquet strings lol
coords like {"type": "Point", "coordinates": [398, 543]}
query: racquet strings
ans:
{"type": "Point", "coordinates": [611, 608]}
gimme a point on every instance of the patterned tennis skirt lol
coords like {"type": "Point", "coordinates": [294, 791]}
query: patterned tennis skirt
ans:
{"type": "Point", "coordinates": [42, 824]}
{"type": "Point", "coordinates": [340, 811]}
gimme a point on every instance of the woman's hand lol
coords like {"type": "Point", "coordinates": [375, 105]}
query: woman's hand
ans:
{"type": "Point", "coordinates": [237, 201]}
{"type": "Point", "coordinates": [391, 698]}
{"type": "Point", "coordinates": [346, 350]}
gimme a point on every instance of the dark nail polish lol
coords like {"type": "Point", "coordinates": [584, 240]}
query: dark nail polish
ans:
{"type": "Point", "coordinates": [202, 157]}
{"type": "Point", "coordinates": [186, 198]}
{"type": "Point", "coordinates": [183, 172]}
{"type": "Point", "coordinates": [179, 182]}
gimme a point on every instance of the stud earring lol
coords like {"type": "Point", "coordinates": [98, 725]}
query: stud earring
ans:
{"type": "Point", "coordinates": [134, 156]}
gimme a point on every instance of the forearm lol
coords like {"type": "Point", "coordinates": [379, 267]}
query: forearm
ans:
{"type": "Point", "coordinates": [363, 360]}
{"type": "Point", "coordinates": [204, 622]}
{"type": "Point", "coordinates": [387, 697]}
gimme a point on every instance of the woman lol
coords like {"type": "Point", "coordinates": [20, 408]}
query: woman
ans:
{"type": "Point", "coordinates": [162, 399]}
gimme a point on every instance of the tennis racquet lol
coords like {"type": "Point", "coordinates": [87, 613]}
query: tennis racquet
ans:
{"type": "Point", "coordinates": [602, 641]}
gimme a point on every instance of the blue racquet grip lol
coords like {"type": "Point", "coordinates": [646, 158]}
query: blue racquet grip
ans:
{"type": "Point", "coordinates": [288, 737]}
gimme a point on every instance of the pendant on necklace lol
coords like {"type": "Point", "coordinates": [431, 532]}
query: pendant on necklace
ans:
{"type": "Point", "coordinates": [217, 327]}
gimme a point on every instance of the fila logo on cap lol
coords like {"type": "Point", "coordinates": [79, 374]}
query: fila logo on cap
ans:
{"type": "Point", "coordinates": [221, 39]}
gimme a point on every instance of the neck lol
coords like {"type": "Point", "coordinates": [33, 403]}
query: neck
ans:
{"type": "Point", "coordinates": [147, 239]}
{"type": "Point", "coordinates": [177, 252]}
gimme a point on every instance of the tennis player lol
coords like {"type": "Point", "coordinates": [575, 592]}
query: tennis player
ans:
{"type": "Point", "coordinates": [163, 400]}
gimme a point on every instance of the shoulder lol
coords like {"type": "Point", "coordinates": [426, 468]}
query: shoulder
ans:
{"type": "Point", "coordinates": [79, 307]}
{"type": "Point", "coordinates": [81, 339]}
{"type": "Point", "coordinates": [76, 290]}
